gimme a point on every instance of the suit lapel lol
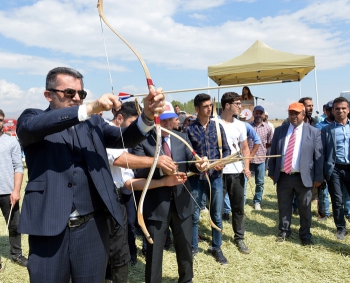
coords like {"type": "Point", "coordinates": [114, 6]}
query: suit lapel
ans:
{"type": "Point", "coordinates": [333, 136]}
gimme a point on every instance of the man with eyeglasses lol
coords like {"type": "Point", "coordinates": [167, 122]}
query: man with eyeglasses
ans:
{"type": "Point", "coordinates": [234, 173]}
{"type": "Point", "coordinates": [336, 169]}
{"type": "Point", "coordinates": [11, 177]}
{"type": "Point", "coordinates": [70, 189]}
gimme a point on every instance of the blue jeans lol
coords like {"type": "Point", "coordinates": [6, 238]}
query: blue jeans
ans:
{"type": "Point", "coordinates": [259, 170]}
{"type": "Point", "coordinates": [339, 179]}
{"type": "Point", "coordinates": [227, 205]}
{"type": "Point", "coordinates": [198, 187]}
{"type": "Point", "coordinates": [323, 202]}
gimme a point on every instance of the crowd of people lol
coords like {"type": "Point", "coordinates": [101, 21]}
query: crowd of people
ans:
{"type": "Point", "coordinates": [86, 175]}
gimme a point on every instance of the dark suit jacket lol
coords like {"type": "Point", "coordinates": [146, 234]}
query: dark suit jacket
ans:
{"type": "Point", "coordinates": [329, 149]}
{"type": "Point", "coordinates": [311, 159]}
{"type": "Point", "coordinates": [47, 145]}
{"type": "Point", "coordinates": [157, 201]}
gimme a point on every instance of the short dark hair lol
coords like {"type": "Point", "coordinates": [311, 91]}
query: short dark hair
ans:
{"type": "Point", "coordinates": [340, 99]}
{"type": "Point", "coordinates": [200, 98]}
{"type": "Point", "coordinates": [2, 113]}
{"type": "Point", "coordinates": [229, 97]}
{"type": "Point", "coordinates": [51, 78]}
{"type": "Point", "coordinates": [302, 100]}
{"type": "Point", "coordinates": [127, 110]}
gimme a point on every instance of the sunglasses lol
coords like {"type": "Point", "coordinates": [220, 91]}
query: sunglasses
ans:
{"type": "Point", "coordinates": [70, 93]}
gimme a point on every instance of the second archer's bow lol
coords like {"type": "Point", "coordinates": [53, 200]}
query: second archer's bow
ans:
{"type": "Point", "coordinates": [150, 85]}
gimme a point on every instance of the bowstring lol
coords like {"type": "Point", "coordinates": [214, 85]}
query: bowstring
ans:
{"type": "Point", "coordinates": [121, 133]}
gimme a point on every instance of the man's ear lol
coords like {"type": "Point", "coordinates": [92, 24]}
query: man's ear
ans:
{"type": "Point", "coordinates": [48, 95]}
{"type": "Point", "coordinates": [119, 119]}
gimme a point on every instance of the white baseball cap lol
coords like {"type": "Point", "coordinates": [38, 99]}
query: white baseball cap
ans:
{"type": "Point", "coordinates": [169, 112]}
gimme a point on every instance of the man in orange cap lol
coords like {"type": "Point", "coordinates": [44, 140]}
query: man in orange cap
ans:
{"type": "Point", "coordinates": [293, 174]}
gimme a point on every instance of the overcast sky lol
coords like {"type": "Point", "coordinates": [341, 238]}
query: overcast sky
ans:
{"type": "Point", "coordinates": [178, 39]}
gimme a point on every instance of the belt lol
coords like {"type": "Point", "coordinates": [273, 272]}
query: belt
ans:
{"type": "Point", "coordinates": [77, 221]}
{"type": "Point", "coordinates": [342, 166]}
{"type": "Point", "coordinates": [292, 173]}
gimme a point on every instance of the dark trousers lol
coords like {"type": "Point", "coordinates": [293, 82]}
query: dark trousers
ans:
{"type": "Point", "coordinates": [79, 253]}
{"type": "Point", "coordinates": [287, 186]}
{"type": "Point", "coordinates": [182, 233]}
{"type": "Point", "coordinates": [131, 217]}
{"type": "Point", "coordinates": [233, 184]}
{"type": "Point", "coordinates": [14, 236]}
{"type": "Point", "coordinates": [337, 180]}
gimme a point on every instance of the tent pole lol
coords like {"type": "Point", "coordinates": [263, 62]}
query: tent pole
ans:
{"type": "Point", "coordinates": [318, 108]}
{"type": "Point", "coordinates": [208, 86]}
{"type": "Point", "coordinates": [299, 89]}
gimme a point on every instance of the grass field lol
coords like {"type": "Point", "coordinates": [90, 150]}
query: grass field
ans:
{"type": "Point", "coordinates": [327, 261]}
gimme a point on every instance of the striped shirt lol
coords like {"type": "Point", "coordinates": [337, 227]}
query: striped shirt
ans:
{"type": "Point", "coordinates": [265, 133]}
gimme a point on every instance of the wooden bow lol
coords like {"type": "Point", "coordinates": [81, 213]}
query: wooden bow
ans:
{"type": "Point", "coordinates": [205, 173]}
{"type": "Point", "coordinates": [150, 85]}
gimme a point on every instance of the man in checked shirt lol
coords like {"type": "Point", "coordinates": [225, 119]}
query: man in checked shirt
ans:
{"type": "Point", "coordinates": [203, 136]}
{"type": "Point", "coordinates": [257, 165]}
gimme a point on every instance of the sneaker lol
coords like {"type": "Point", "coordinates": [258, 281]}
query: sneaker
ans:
{"type": "Point", "coordinates": [322, 218]}
{"type": "Point", "coordinates": [20, 260]}
{"type": "Point", "coordinates": [217, 253]}
{"type": "Point", "coordinates": [225, 217]}
{"type": "Point", "coordinates": [241, 246]}
{"type": "Point", "coordinates": [168, 243]}
{"type": "Point", "coordinates": [194, 252]}
{"type": "Point", "coordinates": [257, 206]}
{"type": "Point", "coordinates": [205, 209]}
{"type": "Point", "coordinates": [340, 235]}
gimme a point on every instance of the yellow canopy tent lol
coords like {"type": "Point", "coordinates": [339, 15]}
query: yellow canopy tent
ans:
{"type": "Point", "coordinates": [261, 63]}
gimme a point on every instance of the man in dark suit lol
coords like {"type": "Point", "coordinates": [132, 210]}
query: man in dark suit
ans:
{"type": "Point", "coordinates": [168, 206]}
{"type": "Point", "coordinates": [70, 187]}
{"type": "Point", "coordinates": [336, 151]}
{"type": "Point", "coordinates": [297, 171]}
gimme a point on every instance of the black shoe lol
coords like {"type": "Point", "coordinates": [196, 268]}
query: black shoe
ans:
{"type": "Point", "coordinates": [306, 242]}
{"type": "Point", "coordinates": [133, 260]}
{"type": "Point", "coordinates": [225, 217]}
{"type": "Point", "coordinates": [20, 260]}
{"type": "Point", "coordinates": [217, 253]}
{"type": "Point", "coordinates": [168, 243]}
{"type": "Point", "coordinates": [282, 237]}
{"type": "Point", "coordinates": [241, 246]}
{"type": "Point", "coordinates": [340, 235]}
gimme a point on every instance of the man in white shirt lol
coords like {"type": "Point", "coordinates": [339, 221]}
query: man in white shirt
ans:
{"type": "Point", "coordinates": [233, 173]}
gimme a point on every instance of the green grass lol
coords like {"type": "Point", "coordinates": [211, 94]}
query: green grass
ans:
{"type": "Point", "coordinates": [327, 261]}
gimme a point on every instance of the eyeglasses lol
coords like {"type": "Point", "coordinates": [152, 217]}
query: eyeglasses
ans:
{"type": "Point", "coordinates": [236, 103]}
{"type": "Point", "coordinates": [70, 93]}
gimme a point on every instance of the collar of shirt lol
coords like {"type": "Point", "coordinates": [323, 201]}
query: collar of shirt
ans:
{"type": "Point", "coordinates": [336, 124]}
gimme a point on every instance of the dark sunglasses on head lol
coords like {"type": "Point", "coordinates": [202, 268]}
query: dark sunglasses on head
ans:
{"type": "Point", "coordinates": [70, 93]}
